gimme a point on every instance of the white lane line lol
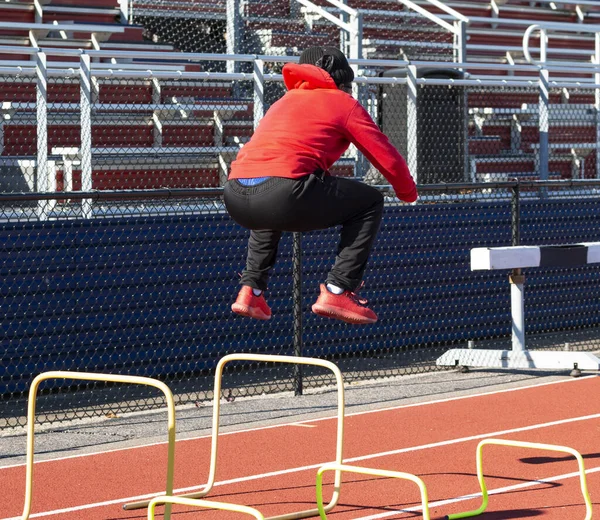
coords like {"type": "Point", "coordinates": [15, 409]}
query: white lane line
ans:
{"type": "Point", "coordinates": [497, 491]}
{"type": "Point", "coordinates": [316, 466]}
{"type": "Point", "coordinates": [320, 419]}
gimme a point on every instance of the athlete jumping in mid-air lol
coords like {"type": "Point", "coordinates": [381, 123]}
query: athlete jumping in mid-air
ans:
{"type": "Point", "coordinates": [280, 182]}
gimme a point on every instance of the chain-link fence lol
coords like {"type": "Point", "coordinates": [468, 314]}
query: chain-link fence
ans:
{"type": "Point", "coordinates": [117, 255]}
{"type": "Point", "coordinates": [150, 295]}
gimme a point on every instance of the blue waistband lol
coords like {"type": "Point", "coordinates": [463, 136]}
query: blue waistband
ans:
{"type": "Point", "coordinates": [252, 182]}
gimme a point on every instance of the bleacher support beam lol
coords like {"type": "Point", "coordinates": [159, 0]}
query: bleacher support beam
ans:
{"type": "Point", "coordinates": [517, 258]}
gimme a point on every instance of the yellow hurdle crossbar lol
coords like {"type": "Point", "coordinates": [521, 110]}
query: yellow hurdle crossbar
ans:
{"type": "Point", "coordinates": [369, 471]}
{"type": "Point", "coordinates": [202, 503]}
{"type": "Point", "coordinates": [520, 444]}
{"type": "Point", "coordinates": [109, 378]}
{"type": "Point", "coordinates": [215, 427]}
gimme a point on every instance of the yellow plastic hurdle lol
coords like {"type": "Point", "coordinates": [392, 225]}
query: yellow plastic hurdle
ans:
{"type": "Point", "coordinates": [215, 428]}
{"type": "Point", "coordinates": [369, 471]}
{"type": "Point", "coordinates": [109, 378]}
{"type": "Point", "coordinates": [194, 502]}
{"type": "Point", "coordinates": [520, 444]}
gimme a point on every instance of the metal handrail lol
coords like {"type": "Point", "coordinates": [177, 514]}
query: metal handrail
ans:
{"type": "Point", "coordinates": [325, 14]}
{"type": "Point", "coordinates": [178, 193]}
{"type": "Point", "coordinates": [75, 27]}
{"type": "Point", "coordinates": [574, 3]}
{"type": "Point", "coordinates": [447, 9]}
{"type": "Point", "coordinates": [154, 55]}
{"type": "Point", "coordinates": [433, 18]}
{"type": "Point", "coordinates": [544, 27]}
{"type": "Point", "coordinates": [557, 26]}
{"type": "Point", "coordinates": [343, 7]}
{"type": "Point", "coordinates": [123, 72]}
{"type": "Point", "coordinates": [353, 27]}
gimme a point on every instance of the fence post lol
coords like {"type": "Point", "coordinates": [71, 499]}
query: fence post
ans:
{"type": "Point", "coordinates": [259, 91]}
{"type": "Point", "coordinates": [157, 124]}
{"type": "Point", "coordinates": [597, 103]}
{"type": "Point", "coordinates": [412, 122]}
{"type": "Point", "coordinates": [517, 278]}
{"type": "Point", "coordinates": [233, 32]}
{"type": "Point", "coordinates": [544, 129]}
{"type": "Point", "coordinates": [460, 56]}
{"type": "Point", "coordinates": [85, 151]}
{"type": "Point", "coordinates": [42, 182]}
{"type": "Point", "coordinates": [356, 37]}
{"type": "Point", "coordinates": [345, 37]}
{"type": "Point", "coordinates": [297, 308]}
{"type": "Point", "coordinates": [125, 11]}
{"type": "Point", "coordinates": [460, 41]}
{"type": "Point", "coordinates": [516, 214]}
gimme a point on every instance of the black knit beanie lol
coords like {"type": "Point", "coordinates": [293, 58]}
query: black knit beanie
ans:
{"type": "Point", "coordinates": [331, 60]}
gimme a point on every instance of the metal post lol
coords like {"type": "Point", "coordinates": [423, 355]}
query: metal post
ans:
{"type": "Point", "coordinates": [597, 103]}
{"type": "Point", "coordinates": [297, 308]}
{"type": "Point", "coordinates": [361, 164]}
{"type": "Point", "coordinates": [516, 215]}
{"type": "Point", "coordinates": [157, 124]}
{"type": "Point", "coordinates": [233, 32]}
{"type": "Point", "coordinates": [39, 11]}
{"type": "Point", "coordinates": [344, 36]}
{"type": "Point", "coordinates": [125, 11]}
{"type": "Point", "coordinates": [355, 52]}
{"type": "Point", "coordinates": [42, 181]}
{"type": "Point", "coordinates": [544, 108]}
{"type": "Point", "coordinates": [259, 91]}
{"type": "Point", "coordinates": [460, 41]}
{"type": "Point", "coordinates": [544, 126]}
{"type": "Point", "coordinates": [460, 56]}
{"type": "Point", "coordinates": [356, 35]}
{"type": "Point", "coordinates": [85, 150]}
{"type": "Point", "coordinates": [517, 279]}
{"type": "Point", "coordinates": [517, 299]}
{"type": "Point", "coordinates": [412, 122]}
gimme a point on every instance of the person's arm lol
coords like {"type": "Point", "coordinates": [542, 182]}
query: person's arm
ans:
{"type": "Point", "coordinates": [374, 144]}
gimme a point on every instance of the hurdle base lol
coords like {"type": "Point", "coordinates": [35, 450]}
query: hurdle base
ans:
{"type": "Point", "coordinates": [462, 357]}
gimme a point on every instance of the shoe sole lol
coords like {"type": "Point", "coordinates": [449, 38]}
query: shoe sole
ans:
{"type": "Point", "coordinates": [250, 312]}
{"type": "Point", "coordinates": [355, 319]}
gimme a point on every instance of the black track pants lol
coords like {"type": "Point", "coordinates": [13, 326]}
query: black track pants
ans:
{"type": "Point", "coordinates": [306, 204]}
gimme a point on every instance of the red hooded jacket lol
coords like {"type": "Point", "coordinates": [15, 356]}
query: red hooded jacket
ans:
{"type": "Point", "coordinates": [310, 127]}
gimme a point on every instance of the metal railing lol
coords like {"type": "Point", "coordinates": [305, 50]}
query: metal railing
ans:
{"type": "Point", "coordinates": [88, 73]}
{"type": "Point", "coordinates": [458, 24]}
{"type": "Point", "coordinates": [543, 61]}
{"type": "Point", "coordinates": [350, 23]}
{"type": "Point", "coordinates": [457, 28]}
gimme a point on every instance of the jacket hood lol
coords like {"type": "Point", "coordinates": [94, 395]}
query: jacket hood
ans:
{"type": "Point", "coordinates": [306, 76]}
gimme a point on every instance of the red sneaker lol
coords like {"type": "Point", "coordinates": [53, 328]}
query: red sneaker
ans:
{"type": "Point", "coordinates": [347, 307]}
{"type": "Point", "coordinates": [247, 304]}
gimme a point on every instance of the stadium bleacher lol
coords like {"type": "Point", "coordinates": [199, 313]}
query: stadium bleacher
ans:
{"type": "Point", "coordinates": [179, 117]}
{"type": "Point", "coordinates": [502, 133]}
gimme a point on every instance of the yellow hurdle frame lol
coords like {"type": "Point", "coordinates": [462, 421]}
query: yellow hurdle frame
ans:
{"type": "Point", "coordinates": [223, 506]}
{"type": "Point", "coordinates": [369, 471]}
{"type": "Point", "coordinates": [520, 444]}
{"type": "Point", "coordinates": [109, 378]}
{"type": "Point", "coordinates": [215, 427]}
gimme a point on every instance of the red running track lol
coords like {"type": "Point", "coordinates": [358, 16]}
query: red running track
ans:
{"type": "Point", "coordinates": [273, 469]}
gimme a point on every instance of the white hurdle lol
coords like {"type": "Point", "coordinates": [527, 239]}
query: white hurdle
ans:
{"type": "Point", "coordinates": [516, 258]}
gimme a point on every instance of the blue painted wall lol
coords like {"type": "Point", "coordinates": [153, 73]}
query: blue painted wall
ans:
{"type": "Point", "coordinates": [151, 296]}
